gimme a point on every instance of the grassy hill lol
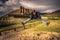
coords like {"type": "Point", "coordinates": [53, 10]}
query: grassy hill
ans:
{"type": "Point", "coordinates": [36, 31]}
{"type": "Point", "coordinates": [56, 13]}
{"type": "Point", "coordinates": [35, 27]}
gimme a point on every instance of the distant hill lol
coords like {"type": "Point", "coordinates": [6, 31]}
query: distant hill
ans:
{"type": "Point", "coordinates": [56, 13]}
{"type": "Point", "coordinates": [15, 12]}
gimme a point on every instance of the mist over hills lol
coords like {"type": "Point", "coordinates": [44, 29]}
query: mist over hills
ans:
{"type": "Point", "coordinates": [54, 14]}
{"type": "Point", "coordinates": [56, 11]}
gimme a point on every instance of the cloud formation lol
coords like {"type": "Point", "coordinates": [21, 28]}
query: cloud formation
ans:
{"type": "Point", "coordinates": [10, 4]}
{"type": "Point", "coordinates": [40, 5]}
{"type": "Point", "coordinates": [33, 6]}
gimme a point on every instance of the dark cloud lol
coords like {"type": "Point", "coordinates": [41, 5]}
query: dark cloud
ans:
{"type": "Point", "coordinates": [43, 4]}
{"type": "Point", "coordinates": [49, 4]}
{"type": "Point", "coordinates": [53, 3]}
{"type": "Point", "coordinates": [3, 1]}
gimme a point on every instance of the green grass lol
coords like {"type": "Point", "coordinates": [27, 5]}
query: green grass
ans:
{"type": "Point", "coordinates": [37, 26]}
{"type": "Point", "coordinates": [53, 27]}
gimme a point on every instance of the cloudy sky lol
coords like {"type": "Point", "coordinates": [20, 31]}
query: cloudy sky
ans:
{"type": "Point", "coordinates": [39, 5]}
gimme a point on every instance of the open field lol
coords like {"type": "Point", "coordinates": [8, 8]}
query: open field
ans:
{"type": "Point", "coordinates": [34, 30]}
{"type": "Point", "coordinates": [38, 26]}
